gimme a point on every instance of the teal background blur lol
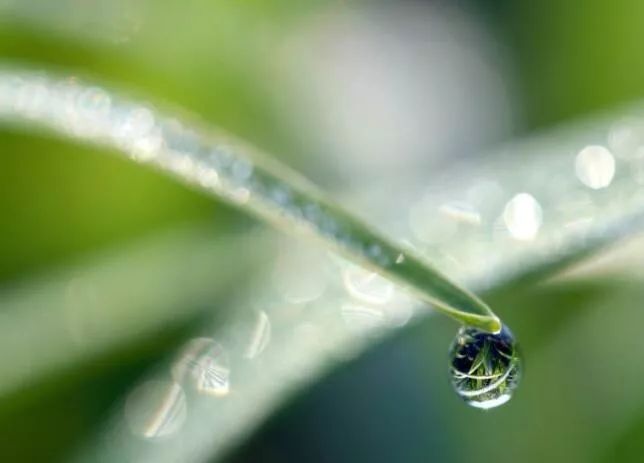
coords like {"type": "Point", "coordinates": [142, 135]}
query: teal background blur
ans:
{"type": "Point", "coordinates": [221, 60]}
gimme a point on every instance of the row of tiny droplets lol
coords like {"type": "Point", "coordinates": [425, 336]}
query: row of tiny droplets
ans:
{"type": "Point", "coordinates": [92, 113]}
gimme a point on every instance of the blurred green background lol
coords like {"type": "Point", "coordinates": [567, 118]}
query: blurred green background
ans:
{"type": "Point", "coordinates": [233, 63]}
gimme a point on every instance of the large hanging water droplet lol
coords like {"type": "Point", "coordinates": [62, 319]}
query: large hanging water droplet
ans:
{"type": "Point", "coordinates": [485, 368]}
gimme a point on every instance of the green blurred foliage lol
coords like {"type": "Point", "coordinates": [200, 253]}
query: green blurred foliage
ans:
{"type": "Point", "coordinates": [217, 60]}
{"type": "Point", "coordinates": [573, 57]}
{"type": "Point", "coordinates": [60, 200]}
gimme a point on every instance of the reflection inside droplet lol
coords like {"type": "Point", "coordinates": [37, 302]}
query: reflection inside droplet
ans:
{"type": "Point", "coordinates": [595, 166]}
{"type": "Point", "coordinates": [522, 217]}
{"type": "Point", "coordinates": [203, 363]}
{"type": "Point", "coordinates": [156, 409]}
{"type": "Point", "coordinates": [485, 368]}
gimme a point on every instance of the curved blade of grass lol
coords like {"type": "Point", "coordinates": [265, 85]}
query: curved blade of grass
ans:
{"type": "Point", "coordinates": [231, 171]}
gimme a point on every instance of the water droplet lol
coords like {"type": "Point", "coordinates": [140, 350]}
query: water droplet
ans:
{"type": "Point", "coordinates": [485, 368]}
{"type": "Point", "coordinates": [595, 167]}
{"type": "Point", "coordinates": [239, 195]}
{"type": "Point", "coordinates": [94, 104]}
{"type": "Point", "coordinates": [137, 132]}
{"type": "Point", "coordinates": [203, 363]}
{"type": "Point", "coordinates": [366, 286]}
{"type": "Point", "coordinates": [241, 171]}
{"type": "Point", "coordinates": [522, 216]}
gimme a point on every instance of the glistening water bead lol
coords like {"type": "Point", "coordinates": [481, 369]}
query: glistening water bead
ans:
{"type": "Point", "coordinates": [485, 368]}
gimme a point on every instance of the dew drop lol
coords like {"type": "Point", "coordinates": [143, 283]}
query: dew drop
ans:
{"type": "Point", "coordinates": [367, 287]}
{"type": "Point", "coordinates": [485, 368]}
{"type": "Point", "coordinates": [595, 167]}
{"type": "Point", "coordinates": [523, 216]}
{"type": "Point", "coordinates": [203, 364]}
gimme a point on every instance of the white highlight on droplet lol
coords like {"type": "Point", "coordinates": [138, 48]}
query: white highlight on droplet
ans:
{"type": "Point", "coordinates": [492, 403]}
{"type": "Point", "coordinates": [595, 166]}
{"type": "Point", "coordinates": [522, 217]}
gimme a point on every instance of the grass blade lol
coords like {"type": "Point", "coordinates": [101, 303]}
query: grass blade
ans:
{"type": "Point", "coordinates": [230, 170]}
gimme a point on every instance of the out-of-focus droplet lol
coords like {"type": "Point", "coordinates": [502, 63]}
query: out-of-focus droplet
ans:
{"type": "Point", "coordinates": [485, 368]}
{"type": "Point", "coordinates": [156, 409]}
{"type": "Point", "coordinates": [595, 167]}
{"type": "Point", "coordinates": [260, 336]}
{"type": "Point", "coordinates": [203, 363]}
{"type": "Point", "coordinates": [522, 217]}
{"type": "Point", "coordinates": [366, 286]}
{"type": "Point", "coordinates": [239, 195]}
{"type": "Point", "coordinates": [94, 103]}
{"type": "Point", "coordinates": [137, 132]}
{"type": "Point", "coordinates": [626, 136]}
